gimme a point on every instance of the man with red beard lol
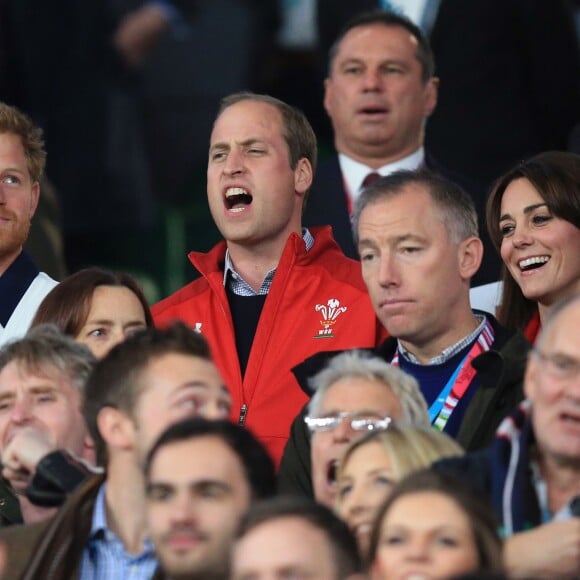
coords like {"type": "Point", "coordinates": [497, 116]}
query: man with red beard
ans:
{"type": "Point", "coordinates": [22, 160]}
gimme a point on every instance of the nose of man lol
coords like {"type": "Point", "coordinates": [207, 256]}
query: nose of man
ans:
{"type": "Point", "coordinates": [211, 410]}
{"type": "Point", "coordinates": [344, 432]}
{"type": "Point", "coordinates": [21, 411]}
{"type": "Point", "coordinates": [234, 162]}
{"type": "Point", "coordinates": [372, 80]}
{"type": "Point", "coordinates": [388, 272]}
{"type": "Point", "coordinates": [182, 511]}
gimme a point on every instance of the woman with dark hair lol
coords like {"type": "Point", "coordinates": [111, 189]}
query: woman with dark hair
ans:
{"type": "Point", "coordinates": [433, 526]}
{"type": "Point", "coordinates": [97, 307]}
{"type": "Point", "coordinates": [533, 218]}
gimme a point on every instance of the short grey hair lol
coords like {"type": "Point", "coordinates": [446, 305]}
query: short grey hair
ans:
{"type": "Point", "coordinates": [46, 347]}
{"type": "Point", "coordinates": [360, 364]}
{"type": "Point", "coordinates": [455, 206]}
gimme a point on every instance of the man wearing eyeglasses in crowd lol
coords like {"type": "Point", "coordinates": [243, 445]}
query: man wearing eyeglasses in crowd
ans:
{"type": "Point", "coordinates": [532, 470]}
{"type": "Point", "coordinates": [356, 393]}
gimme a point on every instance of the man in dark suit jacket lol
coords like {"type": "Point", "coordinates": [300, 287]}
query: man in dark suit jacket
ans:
{"type": "Point", "coordinates": [379, 93]}
{"type": "Point", "coordinates": [495, 104]}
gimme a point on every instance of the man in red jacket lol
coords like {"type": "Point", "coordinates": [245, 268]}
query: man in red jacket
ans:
{"type": "Point", "coordinates": [273, 293]}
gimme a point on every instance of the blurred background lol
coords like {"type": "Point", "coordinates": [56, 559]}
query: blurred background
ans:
{"type": "Point", "coordinates": [126, 92]}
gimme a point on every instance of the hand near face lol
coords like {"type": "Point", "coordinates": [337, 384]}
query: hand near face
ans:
{"type": "Point", "coordinates": [22, 455]}
{"type": "Point", "coordinates": [551, 550]}
{"type": "Point", "coordinates": [139, 33]}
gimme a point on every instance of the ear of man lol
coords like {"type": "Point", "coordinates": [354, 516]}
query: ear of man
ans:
{"type": "Point", "coordinates": [116, 428]}
{"type": "Point", "coordinates": [530, 377]}
{"type": "Point", "coordinates": [89, 450]}
{"type": "Point", "coordinates": [431, 96]}
{"type": "Point", "coordinates": [303, 176]}
{"type": "Point", "coordinates": [470, 255]}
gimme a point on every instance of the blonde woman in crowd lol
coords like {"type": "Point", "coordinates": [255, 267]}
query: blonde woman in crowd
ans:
{"type": "Point", "coordinates": [374, 464]}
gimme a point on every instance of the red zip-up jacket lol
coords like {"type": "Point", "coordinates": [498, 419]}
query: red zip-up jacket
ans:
{"type": "Point", "coordinates": [317, 301]}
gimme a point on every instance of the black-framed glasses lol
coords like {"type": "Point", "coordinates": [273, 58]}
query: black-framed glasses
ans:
{"type": "Point", "coordinates": [357, 422]}
{"type": "Point", "coordinates": [560, 366]}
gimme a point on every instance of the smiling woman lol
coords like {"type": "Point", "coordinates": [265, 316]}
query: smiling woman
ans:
{"type": "Point", "coordinates": [433, 527]}
{"type": "Point", "coordinates": [96, 307]}
{"type": "Point", "coordinates": [533, 217]}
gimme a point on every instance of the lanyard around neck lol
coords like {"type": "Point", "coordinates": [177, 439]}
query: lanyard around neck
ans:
{"type": "Point", "coordinates": [457, 385]}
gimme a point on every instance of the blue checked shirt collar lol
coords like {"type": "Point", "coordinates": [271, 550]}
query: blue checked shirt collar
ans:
{"type": "Point", "coordinates": [105, 557]}
{"type": "Point", "coordinates": [240, 287]}
{"type": "Point", "coordinates": [450, 351]}
{"type": "Point", "coordinates": [99, 514]}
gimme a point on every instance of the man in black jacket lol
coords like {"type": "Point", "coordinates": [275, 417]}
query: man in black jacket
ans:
{"type": "Point", "coordinates": [495, 106]}
{"type": "Point", "coordinates": [379, 93]}
{"type": "Point", "coordinates": [419, 248]}
{"type": "Point", "coordinates": [42, 382]}
{"type": "Point", "coordinates": [531, 472]}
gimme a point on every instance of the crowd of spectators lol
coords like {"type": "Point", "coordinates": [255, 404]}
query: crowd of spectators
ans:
{"type": "Point", "coordinates": [375, 373]}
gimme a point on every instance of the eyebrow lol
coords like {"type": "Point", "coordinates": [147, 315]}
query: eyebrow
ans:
{"type": "Point", "coordinates": [162, 484]}
{"type": "Point", "coordinates": [528, 209]}
{"type": "Point", "coordinates": [102, 321]}
{"type": "Point", "coordinates": [200, 385]}
{"type": "Point", "coordinates": [208, 483]}
{"type": "Point", "coordinates": [408, 238]}
{"type": "Point", "coordinates": [366, 242]}
{"type": "Point", "coordinates": [107, 322]}
{"type": "Point", "coordinates": [244, 143]}
{"type": "Point", "coordinates": [14, 170]}
{"type": "Point", "coordinates": [35, 390]}
{"type": "Point", "coordinates": [351, 60]}
{"type": "Point", "coordinates": [135, 323]}
{"type": "Point", "coordinates": [360, 60]}
{"type": "Point", "coordinates": [395, 241]}
{"type": "Point", "coordinates": [43, 389]}
{"type": "Point", "coordinates": [152, 486]}
{"type": "Point", "coordinates": [378, 470]}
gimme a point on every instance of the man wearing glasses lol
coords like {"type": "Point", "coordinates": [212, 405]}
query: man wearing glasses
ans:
{"type": "Point", "coordinates": [356, 393]}
{"type": "Point", "coordinates": [532, 470]}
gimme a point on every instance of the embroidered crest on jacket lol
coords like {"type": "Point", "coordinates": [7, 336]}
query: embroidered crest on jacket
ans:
{"type": "Point", "coordinates": [330, 312]}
